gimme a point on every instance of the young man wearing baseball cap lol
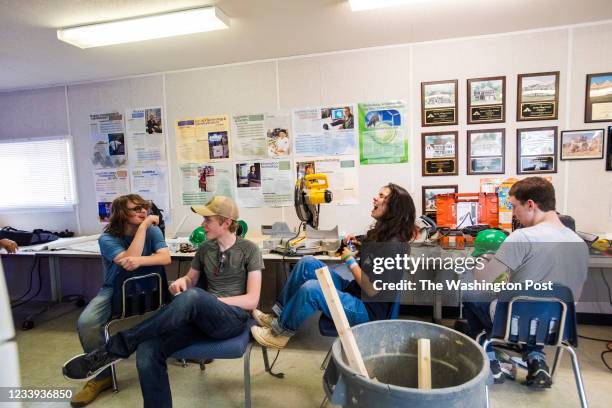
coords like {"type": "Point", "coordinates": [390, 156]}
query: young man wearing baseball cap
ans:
{"type": "Point", "coordinates": [213, 300]}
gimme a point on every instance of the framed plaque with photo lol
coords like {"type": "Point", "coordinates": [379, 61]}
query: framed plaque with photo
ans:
{"type": "Point", "coordinates": [439, 103]}
{"type": "Point", "coordinates": [582, 144]}
{"type": "Point", "coordinates": [439, 152]}
{"type": "Point", "coordinates": [486, 100]}
{"type": "Point", "coordinates": [429, 198]}
{"type": "Point", "coordinates": [598, 98]}
{"type": "Point", "coordinates": [485, 151]}
{"type": "Point", "coordinates": [536, 150]}
{"type": "Point", "coordinates": [537, 96]}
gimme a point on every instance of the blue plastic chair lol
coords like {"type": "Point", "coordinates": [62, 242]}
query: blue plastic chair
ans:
{"type": "Point", "coordinates": [135, 293]}
{"type": "Point", "coordinates": [528, 305]}
{"type": "Point", "coordinates": [236, 347]}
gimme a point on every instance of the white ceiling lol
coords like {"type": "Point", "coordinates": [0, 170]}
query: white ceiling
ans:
{"type": "Point", "coordinates": [31, 56]}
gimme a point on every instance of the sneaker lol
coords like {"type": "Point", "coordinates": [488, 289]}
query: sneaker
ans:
{"type": "Point", "coordinates": [265, 337]}
{"type": "Point", "coordinates": [496, 372]}
{"type": "Point", "coordinates": [85, 367]}
{"type": "Point", "coordinates": [263, 319]}
{"type": "Point", "coordinates": [91, 391]}
{"type": "Point", "coordinates": [538, 374]}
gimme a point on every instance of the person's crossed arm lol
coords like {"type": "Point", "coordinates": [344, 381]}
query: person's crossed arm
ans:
{"type": "Point", "coordinates": [132, 258]}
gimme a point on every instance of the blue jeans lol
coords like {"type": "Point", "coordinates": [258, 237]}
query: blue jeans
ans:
{"type": "Point", "coordinates": [193, 315]}
{"type": "Point", "coordinates": [479, 319]}
{"type": "Point", "coordinates": [92, 320]}
{"type": "Point", "coordinates": [302, 296]}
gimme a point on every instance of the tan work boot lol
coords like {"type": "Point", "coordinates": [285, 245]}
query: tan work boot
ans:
{"type": "Point", "coordinates": [91, 391]}
{"type": "Point", "coordinates": [263, 319]}
{"type": "Point", "coordinates": [265, 337]}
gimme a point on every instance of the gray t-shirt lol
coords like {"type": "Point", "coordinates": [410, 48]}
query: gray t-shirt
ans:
{"type": "Point", "coordinates": [546, 252]}
{"type": "Point", "coordinates": [240, 259]}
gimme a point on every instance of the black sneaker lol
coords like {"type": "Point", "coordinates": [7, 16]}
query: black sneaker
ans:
{"type": "Point", "coordinates": [85, 367]}
{"type": "Point", "coordinates": [538, 374]}
{"type": "Point", "coordinates": [496, 372]}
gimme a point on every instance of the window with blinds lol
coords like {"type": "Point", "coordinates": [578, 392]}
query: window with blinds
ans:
{"type": "Point", "coordinates": [36, 173]}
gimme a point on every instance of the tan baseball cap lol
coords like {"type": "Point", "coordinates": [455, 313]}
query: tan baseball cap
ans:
{"type": "Point", "coordinates": [219, 205]}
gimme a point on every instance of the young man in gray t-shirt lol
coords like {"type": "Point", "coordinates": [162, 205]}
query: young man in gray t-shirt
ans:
{"type": "Point", "coordinates": [544, 251]}
{"type": "Point", "coordinates": [214, 300]}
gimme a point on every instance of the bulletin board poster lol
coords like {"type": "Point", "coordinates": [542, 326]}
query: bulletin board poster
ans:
{"type": "Point", "coordinates": [145, 137]}
{"type": "Point", "coordinates": [151, 183]}
{"type": "Point", "coordinates": [264, 183]}
{"type": "Point", "coordinates": [109, 184]}
{"type": "Point", "coordinates": [341, 173]}
{"type": "Point", "coordinates": [382, 133]}
{"type": "Point", "coordinates": [107, 140]}
{"type": "Point", "coordinates": [203, 139]}
{"type": "Point", "coordinates": [200, 182]}
{"type": "Point", "coordinates": [261, 135]}
{"type": "Point", "coordinates": [324, 131]}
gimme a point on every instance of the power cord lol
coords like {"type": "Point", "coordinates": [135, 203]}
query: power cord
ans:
{"type": "Point", "coordinates": [35, 263]}
{"type": "Point", "coordinates": [277, 375]}
{"type": "Point", "coordinates": [16, 303]}
{"type": "Point", "coordinates": [603, 353]}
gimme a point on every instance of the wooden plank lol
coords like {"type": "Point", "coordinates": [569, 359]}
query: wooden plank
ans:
{"type": "Point", "coordinates": [349, 345]}
{"type": "Point", "coordinates": [424, 364]}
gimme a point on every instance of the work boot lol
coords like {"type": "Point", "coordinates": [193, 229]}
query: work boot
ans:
{"type": "Point", "coordinates": [263, 319]}
{"type": "Point", "coordinates": [265, 337]}
{"type": "Point", "coordinates": [90, 391]}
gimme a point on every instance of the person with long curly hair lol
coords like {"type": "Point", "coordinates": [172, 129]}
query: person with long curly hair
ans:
{"type": "Point", "coordinates": [394, 214]}
{"type": "Point", "coordinates": [130, 240]}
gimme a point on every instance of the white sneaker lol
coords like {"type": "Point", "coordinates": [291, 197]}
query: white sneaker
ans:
{"type": "Point", "coordinates": [265, 337]}
{"type": "Point", "coordinates": [263, 319]}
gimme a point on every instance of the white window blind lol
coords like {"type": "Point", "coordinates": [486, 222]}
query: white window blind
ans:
{"type": "Point", "coordinates": [38, 173]}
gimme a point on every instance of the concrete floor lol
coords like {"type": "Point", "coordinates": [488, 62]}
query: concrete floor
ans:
{"type": "Point", "coordinates": [45, 348]}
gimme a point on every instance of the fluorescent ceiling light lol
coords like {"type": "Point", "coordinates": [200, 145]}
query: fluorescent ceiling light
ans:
{"type": "Point", "coordinates": [145, 28]}
{"type": "Point", "coordinates": [358, 5]}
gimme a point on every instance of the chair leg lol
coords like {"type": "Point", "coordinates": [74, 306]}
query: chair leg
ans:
{"type": "Point", "coordinates": [326, 359]}
{"type": "Point", "coordinates": [558, 354]}
{"type": "Point", "coordinates": [264, 352]}
{"type": "Point", "coordinates": [577, 376]}
{"type": "Point", "coordinates": [324, 402]}
{"type": "Point", "coordinates": [114, 378]}
{"type": "Point", "coordinates": [487, 401]}
{"type": "Point", "coordinates": [247, 376]}
{"type": "Point", "coordinates": [113, 371]}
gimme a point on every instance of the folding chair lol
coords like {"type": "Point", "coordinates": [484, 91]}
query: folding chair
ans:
{"type": "Point", "coordinates": [236, 347]}
{"type": "Point", "coordinates": [544, 318]}
{"type": "Point", "coordinates": [134, 294]}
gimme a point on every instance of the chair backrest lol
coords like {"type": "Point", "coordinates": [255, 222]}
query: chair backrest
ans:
{"type": "Point", "coordinates": [539, 317]}
{"type": "Point", "coordinates": [140, 291]}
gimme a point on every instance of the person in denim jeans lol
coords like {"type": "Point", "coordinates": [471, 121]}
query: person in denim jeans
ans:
{"type": "Point", "coordinates": [131, 239]}
{"type": "Point", "coordinates": [394, 214]}
{"type": "Point", "coordinates": [544, 250]}
{"type": "Point", "coordinates": [212, 300]}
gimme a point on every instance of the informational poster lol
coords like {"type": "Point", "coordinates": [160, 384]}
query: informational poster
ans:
{"type": "Point", "coordinates": [328, 131]}
{"type": "Point", "coordinates": [109, 184]}
{"type": "Point", "coordinates": [200, 182]}
{"type": "Point", "coordinates": [145, 137]}
{"type": "Point", "coordinates": [341, 173]}
{"type": "Point", "coordinates": [108, 140]}
{"type": "Point", "coordinates": [382, 133]}
{"type": "Point", "coordinates": [264, 183]}
{"type": "Point", "coordinates": [151, 183]}
{"type": "Point", "coordinates": [203, 139]}
{"type": "Point", "coordinates": [261, 135]}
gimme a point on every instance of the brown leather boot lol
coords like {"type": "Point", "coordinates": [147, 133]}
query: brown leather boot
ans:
{"type": "Point", "coordinates": [91, 391]}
